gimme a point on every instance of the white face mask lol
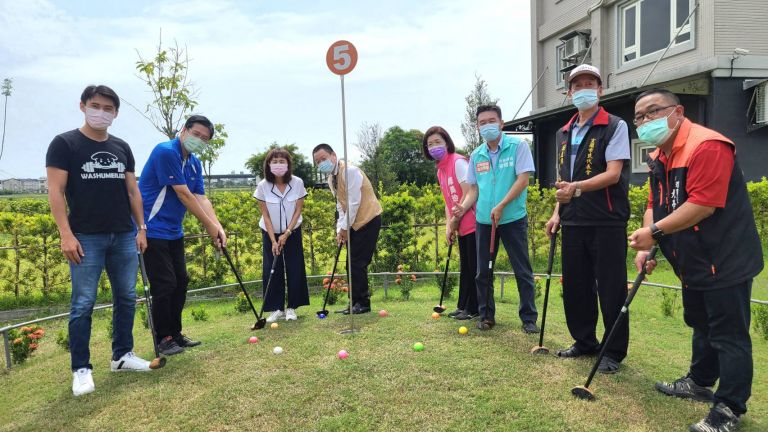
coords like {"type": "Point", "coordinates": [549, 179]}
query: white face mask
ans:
{"type": "Point", "coordinates": [98, 119]}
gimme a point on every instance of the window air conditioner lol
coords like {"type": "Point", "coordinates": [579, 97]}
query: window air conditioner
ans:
{"type": "Point", "coordinates": [761, 106]}
{"type": "Point", "coordinates": [574, 47]}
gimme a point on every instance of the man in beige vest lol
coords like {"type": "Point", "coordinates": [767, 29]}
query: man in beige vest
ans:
{"type": "Point", "coordinates": [364, 216]}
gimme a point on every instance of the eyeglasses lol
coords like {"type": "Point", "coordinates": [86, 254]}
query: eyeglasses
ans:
{"type": "Point", "coordinates": [650, 115]}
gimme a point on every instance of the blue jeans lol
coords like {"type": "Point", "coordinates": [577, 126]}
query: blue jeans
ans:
{"type": "Point", "coordinates": [118, 254]}
{"type": "Point", "coordinates": [514, 235]}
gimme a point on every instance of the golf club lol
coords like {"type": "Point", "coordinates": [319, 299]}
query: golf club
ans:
{"type": "Point", "coordinates": [489, 288]}
{"type": "Point", "coordinates": [324, 311]}
{"type": "Point", "coordinates": [260, 322]}
{"type": "Point", "coordinates": [158, 361]}
{"type": "Point", "coordinates": [439, 308]}
{"type": "Point", "coordinates": [540, 348]}
{"type": "Point", "coordinates": [583, 392]}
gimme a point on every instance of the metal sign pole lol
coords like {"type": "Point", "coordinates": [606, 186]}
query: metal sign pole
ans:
{"type": "Point", "coordinates": [351, 328]}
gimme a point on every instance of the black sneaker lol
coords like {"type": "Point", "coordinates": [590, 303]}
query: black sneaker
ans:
{"type": "Point", "coordinates": [719, 419]}
{"type": "Point", "coordinates": [185, 342]}
{"type": "Point", "coordinates": [530, 327]}
{"type": "Point", "coordinates": [686, 388]}
{"type": "Point", "coordinates": [169, 347]}
{"type": "Point", "coordinates": [464, 315]}
{"type": "Point", "coordinates": [455, 313]}
{"type": "Point", "coordinates": [608, 366]}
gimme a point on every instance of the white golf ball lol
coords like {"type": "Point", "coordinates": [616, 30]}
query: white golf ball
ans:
{"type": "Point", "coordinates": [277, 350]}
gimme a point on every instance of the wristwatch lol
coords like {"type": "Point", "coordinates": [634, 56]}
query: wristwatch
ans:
{"type": "Point", "coordinates": [656, 232]}
{"type": "Point", "coordinates": [143, 227]}
{"type": "Point", "coordinates": [577, 192]}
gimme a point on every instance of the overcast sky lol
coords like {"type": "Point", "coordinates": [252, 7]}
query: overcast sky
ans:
{"type": "Point", "coordinates": [259, 67]}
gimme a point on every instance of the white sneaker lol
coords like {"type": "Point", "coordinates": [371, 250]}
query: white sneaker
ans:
{"type": "Point", "coordinates": [276, 315]}
{"type": "Point", "coordinates": [82, 382]}
{"type": "Point", "coordinates": [290, 314]}
{"type": "Point", "coordinates": [129, 362]}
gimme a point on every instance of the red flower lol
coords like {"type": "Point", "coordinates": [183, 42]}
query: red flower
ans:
{"type": "Point", "coordinates": [17, 341]}
{"type": "Point", "coordinates": [33, 346]}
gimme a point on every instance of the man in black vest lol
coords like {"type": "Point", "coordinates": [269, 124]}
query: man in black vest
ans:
{"type": "Point", "coordinates": [593, 208]}
{"type": "Point", "coordinates": [700, 215]}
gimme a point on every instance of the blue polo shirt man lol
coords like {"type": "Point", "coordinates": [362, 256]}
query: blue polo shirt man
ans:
{"type": "Point", "coordinates": [172, 183]}
{"type": "Point", "coordinates": [498, 177]}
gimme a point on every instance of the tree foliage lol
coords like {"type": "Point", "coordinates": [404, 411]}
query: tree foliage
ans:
{"type": "Point", "coordinates": [173, 95]}
{"type": "Point", "coordinates": [399, 152]}
{"type": "Point", "coordinates": [477, 97]}
{"type": "Point", "coordinates": [302, 168]}
{"type": "Point", "coordinates": [373, 164]}
{"type": "Point", "coordinates": [211, 152]}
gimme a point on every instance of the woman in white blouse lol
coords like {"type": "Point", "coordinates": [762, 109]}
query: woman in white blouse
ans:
{"type": "Point", "coordinates": [281, 198]}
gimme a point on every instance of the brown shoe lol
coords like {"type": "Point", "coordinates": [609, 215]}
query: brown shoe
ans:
{"type": "Point", "coordinates": [486, 324]}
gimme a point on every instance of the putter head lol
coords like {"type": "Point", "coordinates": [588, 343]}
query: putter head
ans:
{"type": "Point", "coordinates": [582, 392]}
{"type": "Point", "coordinates": [439, 309]}
{"type": "Point", "coordinates": [323, 312]}
{"type": "Point", "coordinates": [157, 363]}
{"type": "Point", "coordinates": [260, 323]}
{"type": "Point", "coordinates": [539, 350]}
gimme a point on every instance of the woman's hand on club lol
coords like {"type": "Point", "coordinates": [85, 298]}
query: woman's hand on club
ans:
{"type": "Point", "coordinates": [448, 234]}
{"type": "Point", "coordinates": [282, 240]}
{"type": "Point", "coordinates": [275, 248]}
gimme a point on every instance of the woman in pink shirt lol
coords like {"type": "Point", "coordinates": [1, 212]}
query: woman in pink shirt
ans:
{"type": "Point", "coordinates": [452, 168]}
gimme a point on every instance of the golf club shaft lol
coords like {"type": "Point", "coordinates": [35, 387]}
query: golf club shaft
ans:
{"type": "Point", "coordinates": [269, 282]}
{"type": "Point", "coordinates": [333, 274]}
{"type": "Point", "coordinates": [622, 315]}
{"type": "Point", "coordinates": [240, 281]}
{"type": "Point", "coordinates": [489, 288]}
{"type": "Point", "coordinates": [552, 246]}
{"type": "Point", "coordinates": [150, 321]}
{"type": "Point", "coordinates": [445, 274]}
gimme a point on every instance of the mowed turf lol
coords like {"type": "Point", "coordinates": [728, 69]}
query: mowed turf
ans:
{"type": "Point", "coordinates": [480, 381]}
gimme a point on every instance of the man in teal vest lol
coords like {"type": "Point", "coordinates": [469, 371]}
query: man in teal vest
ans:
{"type": "Point", "coordinates": [498, 178]}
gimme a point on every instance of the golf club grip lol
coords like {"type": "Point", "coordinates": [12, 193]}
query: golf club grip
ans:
{"type": "Point", "coordinates": [143, 269]}
{"type": "Point", "coordinates": [333, 274]}
{"type": "Point", "coordinates": [150, 321]}
{"type": "Point", "coordinates": [550, 261]}
{"type": "Point", "coordinates": [641, 275]}
{"type": "Point", "coordinates": [493, 238]}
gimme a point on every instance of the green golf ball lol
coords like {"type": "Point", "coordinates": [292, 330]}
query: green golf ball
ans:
{"type": "Point", "coordinates": [418, 346]}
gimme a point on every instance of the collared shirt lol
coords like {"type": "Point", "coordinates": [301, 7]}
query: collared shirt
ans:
{"type": "Point", "coordinates": [618, 146]}
{"type": "Point", "coordinates": [280, 205]}
{"type": "Point", "coordinates": [354, 189]}
{"type": "Point", "coordinates": [165, 168]}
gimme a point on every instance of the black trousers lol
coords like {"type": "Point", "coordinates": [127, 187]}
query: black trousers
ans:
{"type": "Point", "coordinates": [363, 245]}
{"type": "Point", "coordinates": [467, 271]}
{"type": "Point", "coordinates": [293, 256]}
{"type": "Point", "coordinates": [595, 268]}
{"type": "Point", "coordinates": [721, 348]}
{"type": "Point", "coordinates": [168, 280]}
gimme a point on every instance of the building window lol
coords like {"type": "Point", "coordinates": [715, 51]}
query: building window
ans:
{"type": "Point", "coordinates": [647, 26]}
{"type": "Point", "coordinates": [559, 61]}
{"type": "Point", "coordinates": [640, 152]}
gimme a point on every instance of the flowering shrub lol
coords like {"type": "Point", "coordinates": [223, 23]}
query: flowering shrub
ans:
{"type": "Point", "coordinates": [405, 282]}
{"type": "Point", "coordinates": [338, 287]}
{"type": "Point", "coordinates": [24, 342]}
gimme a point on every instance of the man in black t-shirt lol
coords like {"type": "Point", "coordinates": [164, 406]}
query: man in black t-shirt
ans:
{"type": "Point", "coordinates": [92, 173]}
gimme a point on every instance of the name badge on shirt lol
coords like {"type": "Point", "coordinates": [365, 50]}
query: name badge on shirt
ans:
{"type": "Point", "coordinates": [483, 166]}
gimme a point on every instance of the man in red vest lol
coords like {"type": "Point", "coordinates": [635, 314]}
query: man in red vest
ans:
{"type": "Point", "coordinates": [700, 215]}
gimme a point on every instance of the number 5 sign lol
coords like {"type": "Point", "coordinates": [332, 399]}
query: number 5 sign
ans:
{"type": "Point", "coordinates": [341, 57]}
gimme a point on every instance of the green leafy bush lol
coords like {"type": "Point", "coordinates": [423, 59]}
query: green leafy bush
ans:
{"type": "Point", "coordinates": [199, 313]}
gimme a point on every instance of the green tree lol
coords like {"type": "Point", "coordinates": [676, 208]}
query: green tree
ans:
{"type": "Point", "coordinates": [6, 88]}
{"type": "Point", "coordinates": [301, 167]}
{"type": "Point", "coordinates": [173, 95]}
{"type": "Point", "coordinates": [211, 152]}
{"type": "Point", "coordinates": [401, 151]}
{"type": "Point", "coordinates": [373, 164]}
{"type": "Point", "coordinates": [478, 96]}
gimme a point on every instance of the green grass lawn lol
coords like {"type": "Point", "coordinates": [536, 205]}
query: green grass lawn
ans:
{"type": "Point", "coordinates": [481, 381]}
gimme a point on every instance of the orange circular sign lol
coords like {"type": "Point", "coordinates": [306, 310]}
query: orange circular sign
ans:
{"type": "Point", "coordinates": [341, 57]}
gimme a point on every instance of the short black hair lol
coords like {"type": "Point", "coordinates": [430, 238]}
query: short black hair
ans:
{"type": "Point", "coordinates": [277, 153]}
{"type": "Point", "coordinates": [322, 146]}
{"type": "Point", "coordinates": [437, 130]}
{"type": "Point", "coordinates": [671, 97]}
{"type": "Point", "coordinates": [199, 119]}
{"type": "Point", "coordinates": [483, 108]}
{"type": "Point", "coordinates": [100, 90]}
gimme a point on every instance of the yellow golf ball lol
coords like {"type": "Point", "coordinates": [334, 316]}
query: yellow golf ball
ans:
{"type": "Point", "coordinates": [463, 330]}
{"type": "Point", "coordinates": [274, 326]}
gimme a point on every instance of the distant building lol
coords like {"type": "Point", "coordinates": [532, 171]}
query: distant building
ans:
{"type": "Point", "coordinates": [717, 64]}
{"type": "Point", "coordinates": [39, 185]}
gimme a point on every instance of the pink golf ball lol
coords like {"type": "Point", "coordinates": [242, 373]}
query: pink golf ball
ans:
{"type": "Point", "coordinates": [343, 354]}
{"type": "Point", "coordinates": [253, 340]}
{"type": "Point", "coordinates": [383, 313]}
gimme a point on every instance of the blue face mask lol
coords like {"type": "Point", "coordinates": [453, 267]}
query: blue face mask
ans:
{"type": "Point", "coordinates": [490, 132]}
{"type": "Point", "coordinates": [585, 99]}
{"type": "Point", "coordinates": [325, 166]}
{"type": "Point", "coordinates": [655, 132]}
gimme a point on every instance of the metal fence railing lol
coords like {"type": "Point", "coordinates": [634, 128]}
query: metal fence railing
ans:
{"type": "Point", "coordinates": [386, 277]}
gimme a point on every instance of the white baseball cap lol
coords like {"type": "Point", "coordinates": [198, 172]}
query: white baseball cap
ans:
{"type": "Point", "coordinates": [584, 69]}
